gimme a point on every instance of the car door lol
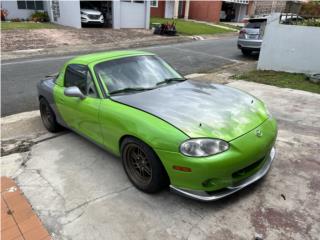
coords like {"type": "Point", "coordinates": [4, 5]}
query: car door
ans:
{"type": "Point", "coordinates": [82, 115]}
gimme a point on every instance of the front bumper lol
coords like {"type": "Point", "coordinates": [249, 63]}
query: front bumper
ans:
{"type": "Point", "coordinates": [215, 195]}
{"type": "Point", "coordinates": [246, 156]}
{"type": "Point", "coordinates": [86, 19]}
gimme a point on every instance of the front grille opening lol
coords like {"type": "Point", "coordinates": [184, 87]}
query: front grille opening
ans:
{"type": "Point", "coordinates": [93, 16]}
{"type": "Point", "coordinates": [244, 171]}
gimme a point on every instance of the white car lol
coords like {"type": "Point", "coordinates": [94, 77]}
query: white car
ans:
{"type": "Point", "coordinates": [91, 16]}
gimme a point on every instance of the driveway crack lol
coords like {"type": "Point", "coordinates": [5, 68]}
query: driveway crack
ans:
{"type": "Point", "coordinates": [97, 199]}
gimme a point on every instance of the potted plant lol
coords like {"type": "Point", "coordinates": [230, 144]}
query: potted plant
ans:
{"type": "Point", "coordinates": [4, 14]}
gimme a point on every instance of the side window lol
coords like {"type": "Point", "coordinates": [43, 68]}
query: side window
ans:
{"type": "Point", "coordinates": [80, 76]}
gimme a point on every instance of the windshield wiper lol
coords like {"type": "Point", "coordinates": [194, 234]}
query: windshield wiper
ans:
{"type": "Point", "coordinates": [168, 80]}
{"type": "Point", "coordinates": [124, 90]}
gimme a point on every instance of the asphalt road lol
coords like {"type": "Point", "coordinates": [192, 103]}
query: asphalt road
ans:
{"type": "Point", "coordinates": [20, 76]}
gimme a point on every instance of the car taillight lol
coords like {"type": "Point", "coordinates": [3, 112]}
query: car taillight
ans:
{"type": "Point", "coordinates": [242, 33]}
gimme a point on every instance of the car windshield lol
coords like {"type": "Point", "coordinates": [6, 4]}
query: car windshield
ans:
{"type": "Point", "coordinates": [136, 73]}
{"type": "Point", "coordinates": [255, 24]}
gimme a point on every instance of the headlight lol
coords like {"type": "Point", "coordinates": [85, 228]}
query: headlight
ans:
{"type": "Point", "coordinates": [83, 13]}
{"type": "Point", "coordinates": [203, 147]}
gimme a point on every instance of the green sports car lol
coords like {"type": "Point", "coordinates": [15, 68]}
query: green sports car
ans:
{"type": "Point", "coordinates": [205, 141]}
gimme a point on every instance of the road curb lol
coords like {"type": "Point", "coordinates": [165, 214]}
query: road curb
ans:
{"type": "Point", "coordinates": [20, 116]}
{"type": "Point", "coordinates": [61, 51]}
{"type": "Point", "coordinates": [21, 126]}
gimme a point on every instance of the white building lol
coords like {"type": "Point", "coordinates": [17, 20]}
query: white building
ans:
{"type": "Point", "coordinates": [120, 13]}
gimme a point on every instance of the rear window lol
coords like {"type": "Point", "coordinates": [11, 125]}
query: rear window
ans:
{"type": "Point", "coordinates": [255, 24]}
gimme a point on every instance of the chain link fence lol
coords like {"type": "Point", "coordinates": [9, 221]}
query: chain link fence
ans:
{"type": "Point", "coordinates": [304, 14]}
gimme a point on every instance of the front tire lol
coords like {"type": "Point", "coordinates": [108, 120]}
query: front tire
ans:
{"type": "Point", "coordinates": [48, 117]}
{"type": "Point", "coordinates": [142, 166]}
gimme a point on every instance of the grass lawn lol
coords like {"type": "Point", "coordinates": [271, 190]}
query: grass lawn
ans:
{"type": "Point", "coordinates": [191, 28]}
{"type": "Point", "coordinates": [280, 79]}
{"type": "Point", "coordinates": [25, 25]}
{"type": "Point", "coordinates": [230, 26]}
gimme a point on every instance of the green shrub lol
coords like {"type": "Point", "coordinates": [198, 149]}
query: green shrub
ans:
{"type": "Point", "coordinates": [313, 22]}
{"type": "Point", "coordinates": [40, 17]}
{"type": "Point", "coordinates": [16, 20]}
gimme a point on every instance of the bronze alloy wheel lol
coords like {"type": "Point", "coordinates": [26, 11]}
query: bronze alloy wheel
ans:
{"type": "Point", "coordinates": [142, 166]}
{"type": "Point", "coordinates": [137, 164]}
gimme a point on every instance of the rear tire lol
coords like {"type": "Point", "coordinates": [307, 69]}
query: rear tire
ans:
{"type": "Point", "coordinates": [246, 52]}
{"type": "Point", "coordinates": [48, 117]}
{"type": "Point", "coordinates": [142, 166]}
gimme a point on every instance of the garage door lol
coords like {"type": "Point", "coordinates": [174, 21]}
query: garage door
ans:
{"type": "Point", "coordinates": [133, 14]}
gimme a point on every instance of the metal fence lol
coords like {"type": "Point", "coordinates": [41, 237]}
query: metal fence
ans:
{"type": "Point", "coordinates": [298, 19]}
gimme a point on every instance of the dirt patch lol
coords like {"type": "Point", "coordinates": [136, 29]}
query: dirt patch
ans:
{"type": "Point", "coordinates": [314, 185]}
{"type": "Point", "coordinates": [264, 218]}
{"type": "Point", "coordinates": [15, 146]}
{"type": "Point", "coordinates": [22, 39]}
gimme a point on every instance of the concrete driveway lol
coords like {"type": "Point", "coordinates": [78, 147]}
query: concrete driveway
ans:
{"type": "Point", "coordinates": [82, 192]}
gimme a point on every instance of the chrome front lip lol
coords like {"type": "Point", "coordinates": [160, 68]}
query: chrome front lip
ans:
{"type": "Point", "coordinates": [204, 196]}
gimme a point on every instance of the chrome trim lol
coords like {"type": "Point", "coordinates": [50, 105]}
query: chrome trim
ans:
{"type": "Point", "coordinates": [204, 196]}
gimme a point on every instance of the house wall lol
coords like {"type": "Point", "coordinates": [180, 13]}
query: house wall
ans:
{"type": "Point", "coordinates": [125, 14]}
{"type": "Point", "coordinates": [183, 9]}
{"type": "Point", "coordinates": [208, 11]}
{"type": "Point", "coordinates": [267, 6]}
{"type": "Point", "coordinates": [131, 14]}
{"type": "Point", "coordinates": [241, 11]}
{"type": "Point", "coordinates": [14, 12]}
{"type": "Point", "coordinates": [251, 8]}
{"type": "Point", "coordinates": [289, 48]}
{"type": "Point", "coordinates": [169, 9]}
{"type": "Point", "coordinates": [159, 11]}
{"type": "Point", "coordinates": [69, 13]}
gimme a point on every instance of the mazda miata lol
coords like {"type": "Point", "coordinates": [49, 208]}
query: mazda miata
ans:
{"type": "Point", "coordinates": [204, 140]}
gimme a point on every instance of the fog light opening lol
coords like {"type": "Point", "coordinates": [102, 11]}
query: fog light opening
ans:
{"type": "Point", "coordinates": [208, 183]}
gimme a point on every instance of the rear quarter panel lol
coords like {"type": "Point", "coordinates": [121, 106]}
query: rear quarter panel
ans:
{"type": "Point", "coordinates": [46, 90]}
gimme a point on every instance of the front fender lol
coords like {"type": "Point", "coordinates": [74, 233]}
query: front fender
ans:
{"type": "Point", "coordinates": [118, 120]}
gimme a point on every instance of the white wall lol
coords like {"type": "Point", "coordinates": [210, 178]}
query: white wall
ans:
{"type": "Point", "coordinates": [69, 13]}
{"type": "Point", "coordinates": [14, 12]}
{"type": "Point", "coordinates": [290, 48]}
{"type": "Point", "coordinates": [116, 23]}
{"type": "Point", "coordinates": [131, 14]}
{"type": "Point", "coordinates": [147, 15]}
{"type": "Point", "coordinates": [169, 8]}
{"type": "Point", "coordinates": [240, 12]}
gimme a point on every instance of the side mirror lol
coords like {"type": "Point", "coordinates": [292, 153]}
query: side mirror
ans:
{"type": "Point", "coordinates": [74, 92]}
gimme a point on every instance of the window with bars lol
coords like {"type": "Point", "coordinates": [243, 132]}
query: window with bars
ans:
{"type": "Point", "coordinates": [31, 5]}
{"type": "Point", "coordinates": [154, 4]}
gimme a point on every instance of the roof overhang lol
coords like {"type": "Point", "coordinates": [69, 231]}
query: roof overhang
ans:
{"type": "Point", "coordinates": [238, 1]}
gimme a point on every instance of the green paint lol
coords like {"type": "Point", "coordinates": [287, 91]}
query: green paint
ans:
{"type": "Point", "coordinates": [106, 122]}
